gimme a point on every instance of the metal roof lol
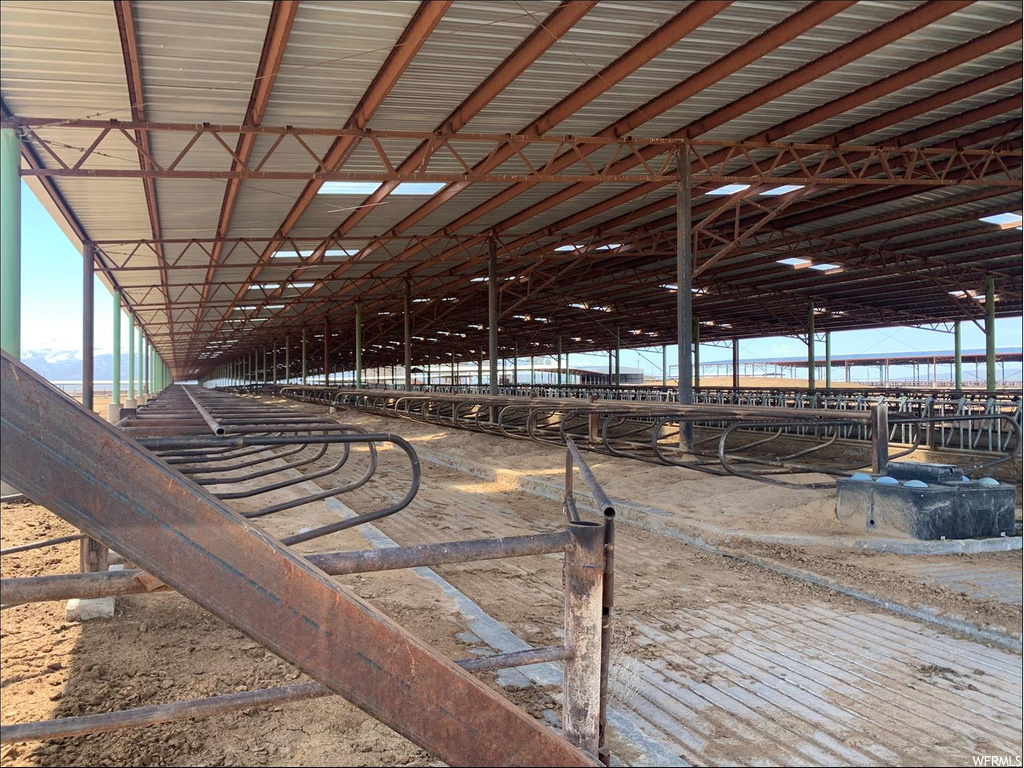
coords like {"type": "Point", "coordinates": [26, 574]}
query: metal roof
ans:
{"type": "Point", "coordinates": [281, 84]}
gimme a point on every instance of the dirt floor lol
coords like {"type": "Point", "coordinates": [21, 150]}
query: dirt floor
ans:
{"type": "Point", "coordinates": [165, 648]}
{"type": "Point", "coordinates": [679, 671]}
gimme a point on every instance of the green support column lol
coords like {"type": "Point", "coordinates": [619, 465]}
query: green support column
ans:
{"type": "Point", "coordinates": [115, 393]}
{"type": "Point", "coordinates": [10, 242]}
{"type": "Point", "coordinates": [810, 346]}
{"type": "Point", "coordinates": [303, 355]}
{"type": "Point", "coordinates": [664, 365]}
{"type": "Point", "coordinates": [828, 359]}
{"type": "Point", "coordinates": [131, 357]}
{"type": "Point", "coordinates": [533, 378]}
{"type": "Point", "coordinates": [359, 347]}
{"type": "Point", "coordinates": [958, 360]}
{"type": "Point", "coordinates": [990, 334]}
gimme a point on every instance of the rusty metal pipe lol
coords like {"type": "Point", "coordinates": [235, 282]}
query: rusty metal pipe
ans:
{"type": "Point", "coordinates": [128, 582]}
{"type": "Point", "coordinates": [584, 582]}
{"type": "Point", "coordinates": [45, 730]}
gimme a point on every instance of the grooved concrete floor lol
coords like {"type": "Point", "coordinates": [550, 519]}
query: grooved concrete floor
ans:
{"type": "Point", "coordinates": [725, 664]}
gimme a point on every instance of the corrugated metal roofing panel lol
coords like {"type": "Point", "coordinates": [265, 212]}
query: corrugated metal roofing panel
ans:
{"type": "Point", "coordinates": [470, 41]}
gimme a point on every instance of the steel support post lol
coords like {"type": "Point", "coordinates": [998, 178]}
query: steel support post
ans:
{"type": "Point", "coordinates": [131, 361]}
{"type": "Point", "coordinates": [327, 353]}
{"type": "Point", "coordinates": [359, 346]}
{"type": "Point", "coordinates": [558, 362]}
{"type": "Point", "coordinates": [584, 585]}
{"type": "Point", "coordinates": [287, 360]}
{"type": "Point", "coordinates": [453, 382]}
{"type": "Point", "coordinates": [828, 359]}
{"type": "Point", "coordinates": [696, 353]}
{"type": "Point", "coordinates": [407, 326]}
{"type": "Point", "coordinates": [990, 334]}
{"type": "Point", "coordinates": [618, 357]}
{"type": "Point", "coordinates": [304, 363]}
{"type": "Point", "coordinates": [515, 366]}
{"type": "Point", "coordinates": [145, 367]}
{"type": "Point", "coordinates": [274, 363]}
{"type": "Point", "coordinates": [492, 320]}
{"type": "Point", "coordinates": [10, 242]}
{"type": "Point", "coordinates": [533, 377]}
{"type": "Point", "coordinates": [879, 438]}
{"type": "Point", "coordinates": [684, 284]}
{"type": "Point", "coordinates": [958, 360]}
{"type": "Point", "coordinates": [664, 365]}
{"type": "Point", "coordinates": [810, 346]}
{"type": "Point", "coordinates": [480, 370]}
{"type": "Point", "coordinates": [115, 364]}
{"type": "Point", "coordinates": [736, 364]}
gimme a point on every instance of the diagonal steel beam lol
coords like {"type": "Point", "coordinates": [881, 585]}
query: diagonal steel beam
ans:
{"type": "Point", "coordinates": [93, 476]}
{"type": "Point", "coordinates": [133, 75]}
{"type": "Point", "coordinates": [279, 27]}
{"type": "Point", "coordinates": [905, 24]}
{"type": "Point", "coordinates": [419, 28]}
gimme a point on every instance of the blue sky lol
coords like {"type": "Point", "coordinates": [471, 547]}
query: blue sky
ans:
{"type": "Point", "coordinates": [52, 307]}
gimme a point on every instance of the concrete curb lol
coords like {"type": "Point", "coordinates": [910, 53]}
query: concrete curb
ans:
{"type": "Point", "coordinates": [658, 521]}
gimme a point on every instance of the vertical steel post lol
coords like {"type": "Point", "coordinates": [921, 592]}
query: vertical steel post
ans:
{"type": "Point", "coordinates": [305, 367]}
{"type": "Point", "coordinates": [664, 365]}
{"type": "Point", "coordinates": [287, 360]}
{"type": "Point", "coordinates": [480, 370]}
{"type": "Point", "coordinates": [131, 360]}
{"type": "Point", "coordinates": [611, 367]}
{"type": "Point", "coordinates": [453, 382]}
{"type": "Point", "coordinates": [10, 242]}
{"type": "Point", "coordinates": [879, 438]}
{"type": "Point", "coordinates": [115, 393]}
{"type": "Point", "coordinates": [736, 364]}
{"type": "Point", "coordinates": [492, 320]}
{"type": "Point", "coordinates": [684, 284]}
{"type": "Point", "coordinates": [828, 359]}
{"type": "Point", "coordinates": [810, 346]}
{"type": "Point", "coordinates": [88, 324]}
{"type": "Point", "coordinates": [584, 585]}
{"type": "Point", "coordinates": [958, 360]}
{"type": "Point", "coordinates": [515, 365]}
{"type": "Point", "coordinates": [990, 334]}
{"type": "Point", "coordinates": [533, 378]}
{"type": "Point", "coordinates": [407, 324]}
{"type": "Point", "coordinates": [558, 361]}
{"type": "Point", "coordinates": [618, 358]}
{"type": "Point", "coordinates": [274, 363]}
{"type": "Point", "coordinates": [359, 346]}
{"type": "Point", "coordinates": [696, 353]}
{"type": "Point", "coordinates": [327, 353]}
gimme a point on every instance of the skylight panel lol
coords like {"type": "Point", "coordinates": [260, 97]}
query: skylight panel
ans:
{"type": "Point", "coordinates": [418, 188]}
{"type": "Point", "coordinates": [729, 189]}
{"type": "Point", "coordinates": [794, 262]}
{"type": "Point", "coordinates": [785, 189]}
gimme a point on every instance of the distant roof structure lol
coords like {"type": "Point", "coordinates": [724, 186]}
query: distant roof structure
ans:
{"type": "Point", "coordinates": [1006, 354]}
{"type": "Point", "coordinates": [246, 170]}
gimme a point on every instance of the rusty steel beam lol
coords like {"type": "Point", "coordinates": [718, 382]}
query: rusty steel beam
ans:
{"type": "Point", "coordinates": [409, 43]}
{"type": "Point", "coordinates": [279, 27]}
{"type": "Point", "coordinates": [92, 476]}
{"type": "Point", "coordinates": [678, 27]}
{"type": "Point", "coordinates": [879, 37]}
{"type": "Point", "coordinates": [133, 75]}
{"type": "Point", "coordinates": [547, 33]}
